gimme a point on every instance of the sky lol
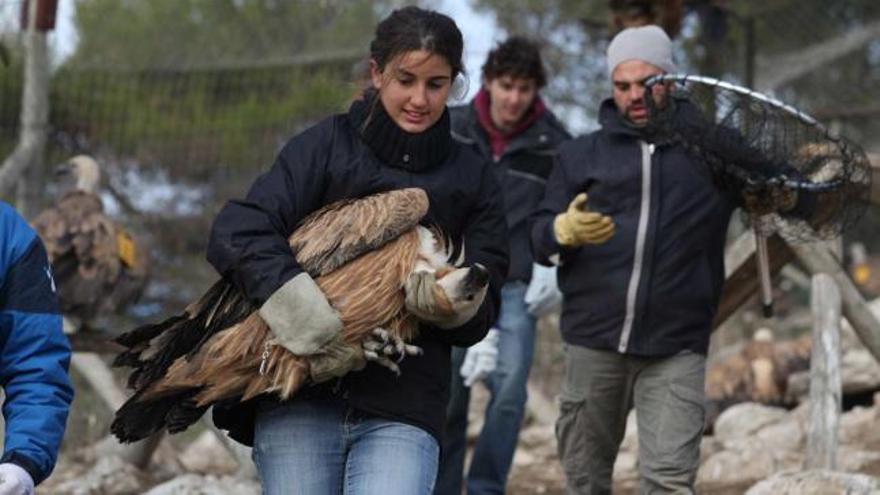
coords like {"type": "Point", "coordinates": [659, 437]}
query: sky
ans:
{"type": "Point", "coordinates": [480, 33]}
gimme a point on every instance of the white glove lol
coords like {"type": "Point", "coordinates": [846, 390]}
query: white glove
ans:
{"type": "Point", "coordinates": [543, 294]}
{"type": "Point", "coordinates": [480, 359]}
{"type": "Point", "coordinates": [14, 480]}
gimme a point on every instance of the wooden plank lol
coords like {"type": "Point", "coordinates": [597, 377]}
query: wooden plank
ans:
{"type": "Point", "coordinates": [825, 384]}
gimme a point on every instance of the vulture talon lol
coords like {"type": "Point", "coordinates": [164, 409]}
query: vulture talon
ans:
{"type": "Point", "coordinates": [382, 361]}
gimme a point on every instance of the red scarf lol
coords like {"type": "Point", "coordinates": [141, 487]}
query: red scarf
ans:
{"type": "Point", "coordinates": [498, 140]}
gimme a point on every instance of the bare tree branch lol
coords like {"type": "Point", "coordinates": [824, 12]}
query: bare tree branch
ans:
{"type": "Point", "coordinates": [35, 108]}
{"type": "Point", "coordinates": [779, 71]}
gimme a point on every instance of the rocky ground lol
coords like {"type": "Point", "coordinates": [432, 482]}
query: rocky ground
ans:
{"type": "Point", "coordinates": [754, 449]}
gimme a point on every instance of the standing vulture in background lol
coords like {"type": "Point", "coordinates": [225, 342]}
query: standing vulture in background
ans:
{"type": "Point", "coordinates": [360, 253]}
{"type": "Point", "coordinates": [98, 267]}
{"type": "Point", "coordinates": [757, 373]}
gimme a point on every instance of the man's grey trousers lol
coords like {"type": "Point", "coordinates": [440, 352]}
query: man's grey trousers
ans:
{"type": "Point", "coordinates": [600, 388]}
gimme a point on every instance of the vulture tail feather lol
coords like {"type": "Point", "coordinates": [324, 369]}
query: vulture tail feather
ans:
{"type": "Point", "coordinates": [137, 420]}
{"type": "Point", "coordinates": [156, 347]}
{"type": "Point", "coordinates": [184, 414]}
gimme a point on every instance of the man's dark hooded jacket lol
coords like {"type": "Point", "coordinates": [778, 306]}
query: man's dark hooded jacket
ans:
{"type": "Point", "coordinates": [654, 287]}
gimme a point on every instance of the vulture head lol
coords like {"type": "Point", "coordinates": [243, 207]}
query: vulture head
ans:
{"type": "Point", "coordinates": [84, 170]}
{"type": "Point", "coordinates": [457, 286]}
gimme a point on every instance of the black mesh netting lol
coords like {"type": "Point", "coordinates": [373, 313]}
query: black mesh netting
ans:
{"type": "Point", "coordinates": [795, 177]}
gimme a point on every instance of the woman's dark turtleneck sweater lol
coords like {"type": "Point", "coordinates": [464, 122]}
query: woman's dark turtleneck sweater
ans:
{"type": "Point", "coordinates": [394, 146]}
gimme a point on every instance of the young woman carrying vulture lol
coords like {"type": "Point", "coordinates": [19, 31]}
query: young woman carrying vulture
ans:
{"type": "Point", "coordinates": [368, 431]}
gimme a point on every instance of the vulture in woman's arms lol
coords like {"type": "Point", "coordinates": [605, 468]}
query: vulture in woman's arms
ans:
{"type": "Point", "coordinates": [360, 252]}
{"type": "Point", "coordinates": [98, 267]}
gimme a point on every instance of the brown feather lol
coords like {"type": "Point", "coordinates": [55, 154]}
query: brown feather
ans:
{"type": "Point", "coordinates": [367, 291]}
{"type": "Point", "coordinates": [81, 243]}
{"type": "Point", "coordinates": [343, 230]}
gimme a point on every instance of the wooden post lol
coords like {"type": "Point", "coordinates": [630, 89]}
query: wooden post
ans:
{"type": "Point", "coordinates": [825, 387]}
{"type": "Point", "coordinates": [818, 259]}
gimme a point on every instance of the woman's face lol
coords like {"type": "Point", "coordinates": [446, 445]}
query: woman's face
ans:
{"type": "Point", "coordinates": [413, 88]}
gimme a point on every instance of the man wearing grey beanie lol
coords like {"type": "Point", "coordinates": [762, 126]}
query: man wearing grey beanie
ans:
{"type": "Point", "coordinates": [637, 227]}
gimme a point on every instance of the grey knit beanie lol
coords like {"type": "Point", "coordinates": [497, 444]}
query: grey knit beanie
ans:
{"type": "Point", "coordinates": [646, 43]}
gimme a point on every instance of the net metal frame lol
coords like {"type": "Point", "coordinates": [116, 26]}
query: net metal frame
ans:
{"type": "Point", "coordinates": [804, 157]}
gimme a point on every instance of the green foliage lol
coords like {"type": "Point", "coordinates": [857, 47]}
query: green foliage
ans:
{"type": "Point", "coordinates": [193, 122]}
{"type": "Point", "coordinates": [197, 85]}
{"type": "Point", "coordinates": [186, 33]}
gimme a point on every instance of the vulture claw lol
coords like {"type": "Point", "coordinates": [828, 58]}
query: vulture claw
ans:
{"type": "Point", "coordinates": [382, 346]}
{"type": "Point", "coordinates": [382, 361]}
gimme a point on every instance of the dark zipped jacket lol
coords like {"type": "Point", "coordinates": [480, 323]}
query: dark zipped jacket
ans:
{"type": "Point", "coordinates": [522, 169]}
{"type": "Point", "coordinates": [329, 162]}
{"type": "Point", "coordinates": [652, 289]}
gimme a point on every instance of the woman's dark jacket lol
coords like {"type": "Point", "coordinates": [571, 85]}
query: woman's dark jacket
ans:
{"type": "Point", "coordinates": [654, 287]}
{"type": "Point", "coordinates": [340, 158]}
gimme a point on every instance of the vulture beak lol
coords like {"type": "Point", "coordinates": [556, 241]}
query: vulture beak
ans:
{"type": "Point", "coordinates": [477, 277]}
{"type": "Point", "coordinates": [63, 169]}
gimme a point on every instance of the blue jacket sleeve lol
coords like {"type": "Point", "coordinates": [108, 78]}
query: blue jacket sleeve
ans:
{"type": "Point", "coordinates": [34, 353]}
{"type": "Point", "coordinates": [248, 243]}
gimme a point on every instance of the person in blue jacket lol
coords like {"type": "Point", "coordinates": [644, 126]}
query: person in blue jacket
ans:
{"type": "Point", "coordinates": [34, 358]}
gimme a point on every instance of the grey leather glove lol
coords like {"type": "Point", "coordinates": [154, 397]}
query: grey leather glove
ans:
{"type": "Point", "coordinates": [429, 302]}
{"type": "Point", "coordinates": [335, 359]}
{"type": "Point", "coordinates": [300, 317]}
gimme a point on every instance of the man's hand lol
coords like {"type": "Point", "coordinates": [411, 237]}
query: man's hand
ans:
{"type": "Point", "coordinates": [543, 294]}
{"type": "Point", "coordinates": [577, 226]}
{"type": "Point", "coordinates": [481, 359]}
{"type": "Point", "coordinates": [429, 302]}
{"type": "Point", "coordinates": [14, 480]}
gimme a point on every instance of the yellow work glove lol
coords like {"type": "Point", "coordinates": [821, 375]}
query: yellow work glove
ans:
{"type": "Point", "coordinates": [577, 226]}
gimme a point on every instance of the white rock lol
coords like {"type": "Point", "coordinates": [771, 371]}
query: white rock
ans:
{"type": "Point", "coordinates": [193, 484]}
{"type": "Point", "coordinates": [744, 419]}
{"type": "Point", "coordinates": [816, 483]}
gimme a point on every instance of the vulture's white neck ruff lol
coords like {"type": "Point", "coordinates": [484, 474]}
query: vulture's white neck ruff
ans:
{"type": "Point", "coordinates": [431, 253]}
{"type": "Point", "coordinates": [88, 173]}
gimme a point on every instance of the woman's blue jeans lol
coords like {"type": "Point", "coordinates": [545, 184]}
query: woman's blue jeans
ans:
{"type": "Point", "coordinates": [493, 452]}
{"type": "Point", "coordinates": [315, 447]}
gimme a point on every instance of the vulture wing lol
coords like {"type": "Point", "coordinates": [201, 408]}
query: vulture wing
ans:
{"type": "Point", "coordinates": [354, 249]}
{"type": "Point", "coordinates": [344, 230]}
